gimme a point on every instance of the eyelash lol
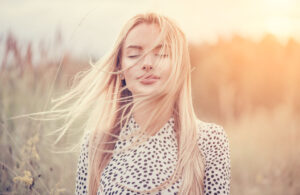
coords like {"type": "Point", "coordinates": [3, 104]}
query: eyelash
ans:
{"type": "Point", "coordinates": [133, 56]}
{"type": "Point", "coordinates": [163, 55]}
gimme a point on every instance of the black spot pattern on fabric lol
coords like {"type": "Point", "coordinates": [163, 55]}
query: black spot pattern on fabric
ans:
{"type": "Point", "coordinates": [153, 162]}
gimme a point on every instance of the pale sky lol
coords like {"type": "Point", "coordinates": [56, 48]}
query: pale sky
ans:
{"type": "Point", "coordinates": [91, 26]}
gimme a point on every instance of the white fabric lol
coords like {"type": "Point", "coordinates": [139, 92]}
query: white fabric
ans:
{"type": "Point", "coordinates": [148, 165]}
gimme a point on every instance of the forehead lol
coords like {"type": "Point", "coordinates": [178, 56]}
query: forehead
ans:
{"type": "Point", "coordinates": [143, 35]}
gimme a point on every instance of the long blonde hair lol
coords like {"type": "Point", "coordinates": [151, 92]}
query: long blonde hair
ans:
{"type": "Point", "coordinates": [109, 104]}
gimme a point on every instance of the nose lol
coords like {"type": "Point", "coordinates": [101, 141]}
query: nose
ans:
{"type": "Point", "coordinates": [147, 67]}
{"type": "Point", "coordinates": [147, 63]}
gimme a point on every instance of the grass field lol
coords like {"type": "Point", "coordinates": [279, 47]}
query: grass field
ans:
{"type": "Point", "coordinates": [251, 88]}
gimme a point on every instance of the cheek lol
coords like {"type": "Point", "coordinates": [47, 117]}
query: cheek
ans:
{"type": "Point", "coordinates": [166, 69]}
{"type": "Point", "coordinates": [128, 73]}
{"type": "Point", "coordinates": [130, 76]}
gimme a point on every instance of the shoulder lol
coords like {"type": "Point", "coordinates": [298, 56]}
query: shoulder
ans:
{"type": "Point", "coordinates": [84, 142]}
{"type": "Point", "coordinates": [83, 155]}
{"type": "Point", "coordinates": [212, 138]}
{"type": "Point", "coordinates": [214, 145]}
{"type": "Point", "coordinates": [210, 130]}
{"type": "Point", "coordinates": [82, 167]}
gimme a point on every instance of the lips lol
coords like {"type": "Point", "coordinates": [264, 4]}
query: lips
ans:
{"type": "Point", "coordinates": [149, 79]}
{"type": "Point", "coordinates": [152, 77]}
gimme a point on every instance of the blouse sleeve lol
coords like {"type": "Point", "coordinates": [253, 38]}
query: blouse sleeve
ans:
{"type": "Point", "coordinates": [215, 146]}
{"type": "Point", "coordinates": [82, 169]}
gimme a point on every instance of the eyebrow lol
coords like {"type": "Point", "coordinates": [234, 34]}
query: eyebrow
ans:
{"type": "Point", "coordinates": [140, 47]}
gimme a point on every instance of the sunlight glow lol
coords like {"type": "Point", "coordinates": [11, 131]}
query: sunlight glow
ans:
{"type": "Point", "coordinates": [279, 26]}
{"type": "Point", "coordinates": [279, 5]}
{"type": "Point", "coordinates": [279, 17]}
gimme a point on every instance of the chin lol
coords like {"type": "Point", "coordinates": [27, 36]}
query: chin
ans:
{"type": "Point", "coordinates": [146, 91]}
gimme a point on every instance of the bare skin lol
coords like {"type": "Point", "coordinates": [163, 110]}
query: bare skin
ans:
{"type": "Point", "coordinates": [139, 40]}
{"type": "Point", "coordinates": [140, 117]}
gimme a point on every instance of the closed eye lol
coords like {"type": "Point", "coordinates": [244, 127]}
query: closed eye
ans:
{"type": "Point", "coordinates": [133, 56]}
{"type": "Point", "coordinates": [162, 55]}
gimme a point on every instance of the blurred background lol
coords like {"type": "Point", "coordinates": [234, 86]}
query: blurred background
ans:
{"type": "Point", "coordinates": [246, 55]}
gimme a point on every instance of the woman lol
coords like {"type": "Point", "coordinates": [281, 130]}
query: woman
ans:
{"type": "Point", "coordinates": [142, 134]}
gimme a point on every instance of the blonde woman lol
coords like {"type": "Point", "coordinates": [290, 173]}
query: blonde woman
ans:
{"type": "Point", "coordinates": [142, 135]}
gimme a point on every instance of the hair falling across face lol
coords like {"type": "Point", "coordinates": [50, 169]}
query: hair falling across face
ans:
{"type": "Point", "coordinates": [148, 72]}
{"type": "Point", "coordinates": [140, 59]}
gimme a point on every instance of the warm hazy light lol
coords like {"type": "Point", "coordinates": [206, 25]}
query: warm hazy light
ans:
{"type": "Point", "coordinates": [84, 30]}
{"type": "Point", "coordinates": [279, 26]}
{"type": "Point", "coordinates": [279, 4]}
{"type": "Point", "coordinates": [279, 18]}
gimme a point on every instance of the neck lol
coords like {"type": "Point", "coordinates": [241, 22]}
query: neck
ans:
{"type": "Point", "coordinates": [140, 116]}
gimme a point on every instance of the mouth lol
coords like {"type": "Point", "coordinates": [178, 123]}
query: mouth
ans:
{"type": "Point", "coordinates": [149, 79]}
